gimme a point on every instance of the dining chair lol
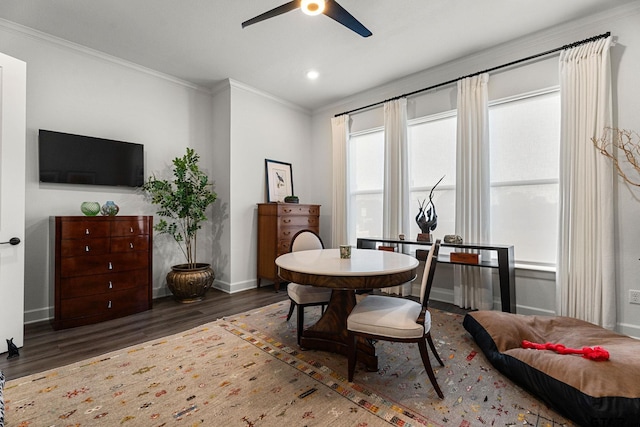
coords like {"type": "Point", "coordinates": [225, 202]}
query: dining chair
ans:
{"type": "Point", "coordinates": [304, 295]}
{"type": "Point", "coordinates": [387, 318]}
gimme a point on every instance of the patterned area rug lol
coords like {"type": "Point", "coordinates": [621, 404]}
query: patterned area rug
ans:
{"type": "Point", "coordinates": [246, 370]}
{"type": "Point", "coordinates": [475, 393]}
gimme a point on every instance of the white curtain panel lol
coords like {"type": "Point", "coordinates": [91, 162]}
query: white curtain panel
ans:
{"type": "Point", "coordinates": [472, 286]}
{"type": "Point", "coordinates": [395, 198]}
{"type": "Point", "coordinates": [585, 277]}
{"type": "Point", "coordinates": [339, 220]}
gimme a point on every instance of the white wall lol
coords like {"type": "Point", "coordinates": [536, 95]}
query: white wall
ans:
{"type": "Point", "coordinates": [72, 89]}
{"type": "Point", "coordinates": [261, 127]}
{"type": "Point", "coordinates": [535, 290]}
{"type": "Point", "coordinates": [222, 165]}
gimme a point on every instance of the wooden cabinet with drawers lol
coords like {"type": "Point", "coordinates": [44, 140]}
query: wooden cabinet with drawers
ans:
{"type": "Point", "coordinates": [100, 267]}
{"type": "Point", "coordinates": [277, 224]}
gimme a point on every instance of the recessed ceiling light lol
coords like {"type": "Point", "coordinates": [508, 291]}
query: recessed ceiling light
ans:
{"type": "Point", "coordinates": [312, 74]}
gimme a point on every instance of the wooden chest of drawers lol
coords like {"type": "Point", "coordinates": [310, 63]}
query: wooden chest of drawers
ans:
{"type": "Point", "coordinates": [277, 224]}
{"type": "Point", "coordinates": [100, 267]}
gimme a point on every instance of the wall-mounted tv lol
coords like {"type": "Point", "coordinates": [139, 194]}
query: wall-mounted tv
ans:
{"type": "Point", "coordinates": [76, 159]}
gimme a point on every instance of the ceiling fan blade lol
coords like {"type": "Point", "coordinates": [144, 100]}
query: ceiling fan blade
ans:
{"type": "Point", "coordinates": [336, 12]}
{"type": "Point", "coordinates": [287, 7]}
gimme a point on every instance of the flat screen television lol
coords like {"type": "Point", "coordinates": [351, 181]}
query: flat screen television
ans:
{"type": "Point", "coordinates": [76, 159]}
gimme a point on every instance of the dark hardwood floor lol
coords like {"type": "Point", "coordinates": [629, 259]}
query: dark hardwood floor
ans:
{"type": "Point", "coordinates": [46, 349]}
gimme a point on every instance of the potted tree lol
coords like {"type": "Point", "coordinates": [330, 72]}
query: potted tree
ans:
{"type": "Point", "coordinates": [182, 202]}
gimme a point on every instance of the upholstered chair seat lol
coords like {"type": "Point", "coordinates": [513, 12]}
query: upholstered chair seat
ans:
{"type": "Point", "coordinates": [305, 295]}
{"type": "Point", "coordinates": [391, 317]}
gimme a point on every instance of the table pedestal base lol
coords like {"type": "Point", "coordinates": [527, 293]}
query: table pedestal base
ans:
{"type": "Point", "coordinates": [330, 332]}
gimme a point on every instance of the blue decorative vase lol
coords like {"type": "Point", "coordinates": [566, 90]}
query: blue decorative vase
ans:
{"type": "Point", "coordinates": [110, 209]}
{"type": "Point", "coordinates": [90, 208]}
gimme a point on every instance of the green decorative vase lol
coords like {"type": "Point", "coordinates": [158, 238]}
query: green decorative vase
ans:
{"type": "Point", "coordinates": [90, 208]}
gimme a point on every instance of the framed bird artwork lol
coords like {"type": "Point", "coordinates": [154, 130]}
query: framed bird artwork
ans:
{"type": "Point", "coordinates": [279, 180]}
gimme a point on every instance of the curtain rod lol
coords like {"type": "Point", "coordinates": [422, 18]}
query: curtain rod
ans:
{"type": "Point", "coordinates": [518, 61]}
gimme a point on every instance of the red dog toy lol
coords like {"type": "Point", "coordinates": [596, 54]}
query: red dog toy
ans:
{"type": "Point", "coordinates": [598, 354]}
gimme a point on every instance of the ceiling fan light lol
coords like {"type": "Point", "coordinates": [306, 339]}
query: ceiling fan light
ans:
{"type": "Point", "coordinates": [312, 7]}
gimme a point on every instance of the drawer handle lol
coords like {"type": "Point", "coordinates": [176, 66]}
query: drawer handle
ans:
{"type": "Point", "coordinates": [110, 267]}
{"type": "Point", "coordinates": [287, 210]}
{"type": "Point", "coordinates": [286, 221]}
{"type": "Point", "coordinates": [86, 248]}
{"type": "Point", "coordinates": [86, 231]}
{"type": "Point", "coordinates": [110, 285]}
{"type": "Point", "coordinates": [286, 233]}
{"type": "Point", "coordinates": [131, 245]}
{"type": "Point", "coordinates": [109, 305]}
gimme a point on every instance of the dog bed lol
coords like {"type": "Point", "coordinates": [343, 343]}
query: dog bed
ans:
{"type": "Point", "coordinates": [591, 393]}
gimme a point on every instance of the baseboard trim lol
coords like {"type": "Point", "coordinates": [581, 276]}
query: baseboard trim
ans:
{"type": "Point", "coordinates": [38, 315]}
{"type": "Point", "coordinates": [523, 309]}
{"type": "Point", "coordinates": [439, 294]}
{"type": "Point", "coordinates": [631, 330]}
{"type": "Point", "coordinates": [232, 288]}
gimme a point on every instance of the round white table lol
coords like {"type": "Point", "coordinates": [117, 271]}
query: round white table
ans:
{"type": "Point", "coordinates": [366, 269]}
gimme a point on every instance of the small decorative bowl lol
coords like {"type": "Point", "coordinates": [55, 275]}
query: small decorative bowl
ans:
{"type": "Point", "coordinates": [90, 208]}
{"type": "Point", "coordinates": [291, 199]}
{"type": "Point", "coordinates": [110, 208]}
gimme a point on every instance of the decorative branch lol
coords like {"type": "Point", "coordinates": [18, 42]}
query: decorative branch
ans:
{"type": "Point", "coordinates": [628, 142]}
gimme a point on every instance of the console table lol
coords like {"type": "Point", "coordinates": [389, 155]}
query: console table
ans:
{"type": "Point", "coordinates": [505, 263]}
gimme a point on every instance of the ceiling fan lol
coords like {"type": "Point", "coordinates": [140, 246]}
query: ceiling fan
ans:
{"type": "Point", "coordinates": [331, 8]}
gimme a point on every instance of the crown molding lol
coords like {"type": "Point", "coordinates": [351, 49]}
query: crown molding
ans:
{"type": "Point", "coordinates": [93, 53]}
{"type": "Point", "coordinates": [235, 84]}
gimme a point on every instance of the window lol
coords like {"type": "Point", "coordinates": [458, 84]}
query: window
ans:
{"type": "Point", "coordinates": [366, 177]}
{"type": "Point", "coordinates": [432, 155]}
{"type": "Point", "coordinates": [525, 143]}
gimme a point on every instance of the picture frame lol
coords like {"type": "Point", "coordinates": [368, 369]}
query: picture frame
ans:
{"type": "Point", "coordinates": [279, 180]}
